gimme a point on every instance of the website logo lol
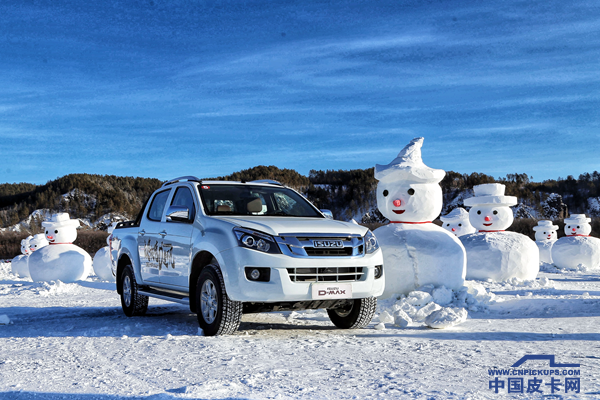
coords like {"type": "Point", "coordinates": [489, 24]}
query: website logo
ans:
{"type": "Point", "coordinates": [556, 378]}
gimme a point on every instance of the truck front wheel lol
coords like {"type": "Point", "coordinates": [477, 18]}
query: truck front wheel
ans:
{"type": "Point", "coordinates": [356, 315]}
{"type": "Point", "coordinates": [217, 313]}
{"type": "Point", "coordinates": [132, 302]}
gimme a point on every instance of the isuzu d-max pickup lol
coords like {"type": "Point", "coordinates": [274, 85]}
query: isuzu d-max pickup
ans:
{"type": "Point", "coordinates": [227, 248]}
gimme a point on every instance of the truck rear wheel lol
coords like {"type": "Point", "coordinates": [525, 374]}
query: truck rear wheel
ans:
{"type": "Point", "coordinates": [217, 313]}
{"type": "Point", "coordinates": [357, 315]}
{"type": "Point", "coordinates": [132, 302]}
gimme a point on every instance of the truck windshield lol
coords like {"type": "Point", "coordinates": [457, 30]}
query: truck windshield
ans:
{"type": "Point", "coordinates": [255, 200]}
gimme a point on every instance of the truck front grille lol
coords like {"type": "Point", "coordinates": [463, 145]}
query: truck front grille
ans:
{"type": "Point", "coordinates": [321, 245]}
{"type": "Point", "coordinates": [328, 274]}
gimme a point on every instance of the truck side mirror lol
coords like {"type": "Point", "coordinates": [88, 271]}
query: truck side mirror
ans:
{"type": "Point", "coordinates": [178, 214]}
{"type": "Point", "coordinates": [328, 214]}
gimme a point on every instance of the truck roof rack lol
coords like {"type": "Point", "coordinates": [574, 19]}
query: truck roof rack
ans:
{"type": "Point", "coordinates": [188, 178]}
{"type": "Point", "coordinates": [271, 181]}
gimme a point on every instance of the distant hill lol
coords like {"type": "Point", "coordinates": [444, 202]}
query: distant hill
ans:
{"type": "Point", "coordinates": [348, 194]}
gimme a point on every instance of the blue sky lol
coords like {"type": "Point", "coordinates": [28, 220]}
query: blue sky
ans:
{"type": "Point", "coordinates": [168, 88]}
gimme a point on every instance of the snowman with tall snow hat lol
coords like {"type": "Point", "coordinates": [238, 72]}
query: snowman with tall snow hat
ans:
{"type": "Point", "coordinates": [102, 262]}
{"type": "Point", "coordinates": [19, 265]}
{"type": "Point", "coordinates": [61, 259]}
{"type": "Point", "coordinates": [545, 236]}
{"type": "Point", "coordinates": [457, 222]}
{"type": "Point", "coordinates": [416, 252]}
{"type": "Point", "coordinates": [578, 247]}
{"type": "Point", "coordinates": [492, 253]}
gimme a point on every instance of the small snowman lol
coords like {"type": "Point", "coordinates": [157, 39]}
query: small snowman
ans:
{"type": "Point", "coordinates": [545, 236]}
{"type": "Point", "coordinates": [19, 265]}
{"type": "Point", "coordinates": [457, 222]}
{"type": "Point", "coordinates": [416, 252]}
{"type": "Point", "coordinates": [102, 262]}
{"type": "Point", "coordinates": [37, 242]}
{"type": "Point", "coordinates": [61, 259]}
{"type": "Point", "coordinates": [492, 253]}
{"type": "Point", "coordinates": [578, 247]}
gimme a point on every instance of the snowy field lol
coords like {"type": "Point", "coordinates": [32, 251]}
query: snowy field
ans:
{"type": "Point", "coordinates": [71, 341]}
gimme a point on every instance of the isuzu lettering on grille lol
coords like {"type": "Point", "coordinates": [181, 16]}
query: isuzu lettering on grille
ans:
{"type": "Point", "coordinates": [328, 243]}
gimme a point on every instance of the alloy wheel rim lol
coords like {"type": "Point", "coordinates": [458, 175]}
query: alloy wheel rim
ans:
{"type": "Point", "coordinates": [127, 291]}
{"type": "Point", "coordinates": [208, 301]}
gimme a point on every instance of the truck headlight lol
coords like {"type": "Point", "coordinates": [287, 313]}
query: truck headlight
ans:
{"type": "Point", "coordinates": [256, 240]}
{"type": "Point", "coordinates": [371, 242]}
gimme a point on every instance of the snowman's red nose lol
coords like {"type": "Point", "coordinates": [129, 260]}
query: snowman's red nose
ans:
{"type": "Point", "coordinates": [453, 229]}
{"type": "Point", "coordinates": [488, 219]}
{"type": "Point", "coordinates": [574, 229]}
{"type": "Point", "coordinates": [397, 203]}
{"type": "Point", "coordinates": [50, 237]}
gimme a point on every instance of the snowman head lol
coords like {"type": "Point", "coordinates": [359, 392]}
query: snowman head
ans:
{"type": "Point", "coordinates": [457, 222]}
{"type": "Point", "coordinates": [38, 242]}
{"type": "Point", "coordinates": [61, 229]}
{"type": "Point", "coordinates": [408, 190]}
{"type": "Point", "coordinates": [578, 225]}
{"type": "Point", "coordinates": [545, 231]}
{"type": "Point", "coordinates": [490, 208]}
{"type": "Point", "coordinates": [25, 245]}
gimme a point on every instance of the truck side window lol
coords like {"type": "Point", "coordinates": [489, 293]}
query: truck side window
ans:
{"type": "Point", "coordinates": [158, 205]}
{"type": "Point", "coordinates": [183, 197]}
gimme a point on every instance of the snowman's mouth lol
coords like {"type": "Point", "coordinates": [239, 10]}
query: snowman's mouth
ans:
{"type": "Point", "coordinates": [398, 211]}
{"type": "Point", "coordinates": [490, 224]}
{"type": "Point", "coordinates": [52, 240]}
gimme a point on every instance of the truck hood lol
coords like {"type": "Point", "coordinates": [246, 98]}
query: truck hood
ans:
{"type": "Point", "coordinates": [278, 226]}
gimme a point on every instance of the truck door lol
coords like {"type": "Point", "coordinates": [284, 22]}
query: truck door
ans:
{"type": "Point", "coordinates": [179, 237]}
{"type": "Point", "coordinates": [155, 255]}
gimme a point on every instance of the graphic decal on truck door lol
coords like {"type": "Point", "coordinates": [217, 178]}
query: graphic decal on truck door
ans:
{"type": "Point", "coordinates": [159, 255]}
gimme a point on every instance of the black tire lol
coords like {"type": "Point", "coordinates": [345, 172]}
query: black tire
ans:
{"type": "Point", "coordinates": [357, 315]}
{"type": "Point", "coordinates": [132, 302]}
{"type": "Point", "coordinates": [217, 313]}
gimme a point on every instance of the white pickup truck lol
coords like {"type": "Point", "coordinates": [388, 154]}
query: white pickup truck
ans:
{"type": "Point", "coordinates": [227, 248]}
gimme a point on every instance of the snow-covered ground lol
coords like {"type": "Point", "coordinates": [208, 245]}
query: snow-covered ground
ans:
{"type": "Point", "coordinates": [72, 341]}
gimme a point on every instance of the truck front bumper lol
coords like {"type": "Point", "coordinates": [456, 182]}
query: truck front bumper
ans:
{"type": "Point", "coordinates": [281, 287]}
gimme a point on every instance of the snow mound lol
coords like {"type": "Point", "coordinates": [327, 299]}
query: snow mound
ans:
{"type": "Point", "coordinates": [64, 262]}
{"type": "Point", "coordinates": [102, 265]}
{"type": "Point", "coordinates": [446, 317]}
{"type": "Point", "coordinates": [54, 288]}
{"type": "Point", "coordinates": [4, 320]}
{"type": "Point", "coordinates": [437, 307]}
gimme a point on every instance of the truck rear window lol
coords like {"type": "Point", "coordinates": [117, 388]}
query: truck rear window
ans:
{"type": "Point", "coordinates": [255, 200]}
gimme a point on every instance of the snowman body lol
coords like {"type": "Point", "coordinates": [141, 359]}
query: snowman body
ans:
{"type": "Point", "coordinates": [20, 264]}
{"type": "Point", "coordinates": [577, 248]}
{"type": "Point", "coordinates": [545, 236]}
{"type": "Point", "coordinates": [492, 253]}
{"type": "Point", "coordinates": [60, 260]}
{"type": "Point", "coordinates": [457, 222]}
{"type": "Point", "coordinates": [102, 263]}
{"type": "Point", "coordinates": [415, 251]}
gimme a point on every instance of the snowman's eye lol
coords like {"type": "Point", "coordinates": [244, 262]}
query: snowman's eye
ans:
{"type": "Point", "coordinates": [56, 231]}
{"type": "Point", "coordinates": [545, 233]}
{"type": "Point", "coordinates": [577, 226]}
{"type": "Point", "coordinates": [411, 191]}
{"type": "Point", "coordinates": [447, 224]}
{"type": "Point", "coordinates": [459, 224]}
{"type": "Point", "coordinates": [478, 212]}
{"type": "Point", "coordinates": [568, 226]}
{"type": "Point", "coordinates": [385, 193]}
{"type": "Point", "coordinates": [46, 232]}
{"type": "Point", "coordinates": [495, 212]}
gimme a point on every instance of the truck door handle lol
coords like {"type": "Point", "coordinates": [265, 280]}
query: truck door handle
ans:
{"type": "Point", "coordinates": [163, 233]}
{"type": "Point", "coordinates": [142, 232]}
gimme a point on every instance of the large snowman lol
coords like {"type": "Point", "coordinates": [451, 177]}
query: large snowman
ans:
{"type": "Point", "coordinates": [416, 252]}
{"type": "Point", "coordinates": [19, 265]}
{"type": "Point", "coordinates": [577, 247]}
{"type": "Point", "coordinates": [61, 259]}
{"type": "Point", "coordinates": [457, 222]}
{"type": "Point", "coordinates": [545, 236]}
{"type": "Point", "coordinates": [102, 262]}
{"type": "Point", "coordinates": [492, 253]}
